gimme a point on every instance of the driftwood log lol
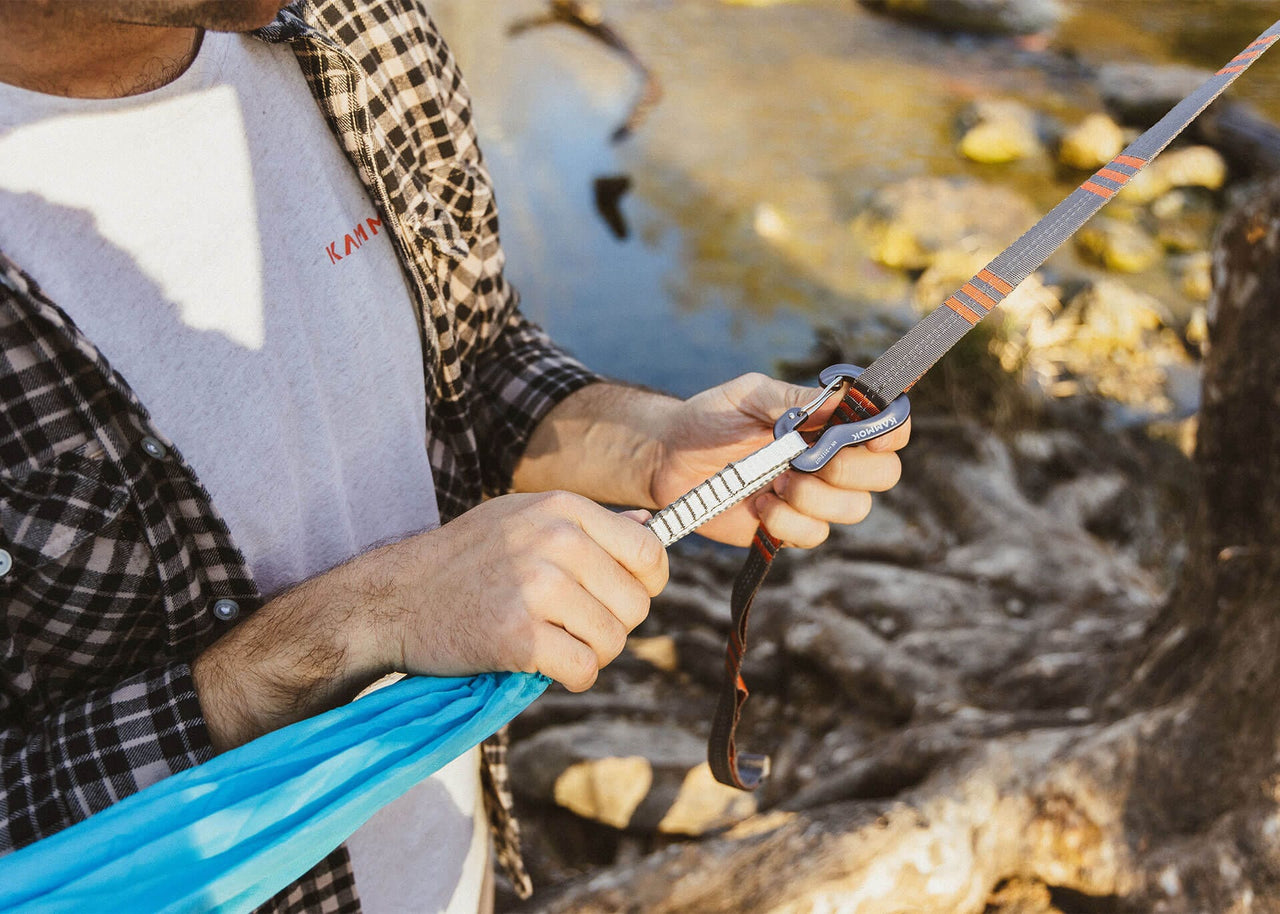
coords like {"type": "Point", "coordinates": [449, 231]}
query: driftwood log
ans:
{"type": "Point", "coordinates": [1162, 795]}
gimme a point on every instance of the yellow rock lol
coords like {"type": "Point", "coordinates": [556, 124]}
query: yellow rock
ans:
{"type": "Point", "coordinates": [1094, 143]}
{"type": "Point", "coordinates": [1118, 246]}
{"type": "Point", "coordinates": [999, 142]}
{"type": "Point", "coordinates": [704, 804]}
{"type": "Point", "coordinates": [659, 651]}
{"type": "Point", "coordinates": [605, 790]}
{"type": "Point", "coordinates": [1145, 186]}
{"type": "Point", "coordinates": [1195, 166]}
{"type": "Point", "coordinates": [899, 248]}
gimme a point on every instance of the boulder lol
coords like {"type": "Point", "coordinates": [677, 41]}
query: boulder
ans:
{"type": "Point", "coordinates": [640, 776]}
{"type": "Point", "coordinates": [1119, 246]}
{"type": "Point", "coordinates": [1141, 94]}
{"type": "Point", "coordinates": [1193, 166]}
{"type": "Point", "coordinates": [1095, 142]}
{"type": "Point", "coordinates": [908, 225]}
{"type": "Point", "coordinates": [999, 131]}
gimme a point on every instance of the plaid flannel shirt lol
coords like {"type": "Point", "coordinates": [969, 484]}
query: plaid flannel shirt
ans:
{"type": "Point", "coordinates": [113, 555]}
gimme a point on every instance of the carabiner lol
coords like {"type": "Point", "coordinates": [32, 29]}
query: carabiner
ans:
{"type": "Point", "coordinates": [795, 417]}
{"type": "Point", "coordinates": [846, 434]}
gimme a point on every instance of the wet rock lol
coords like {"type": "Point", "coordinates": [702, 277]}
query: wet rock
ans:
{"type": "Point", "coordinates": [1000, 17]}
{"type": "Point", "coordinates": [1194, 166]}
{"type": "Point", "coordinates": [1118, 246]}
{"type": "Point", "coordinates": [628, 776]}
{"type": "Point", "coordinates": [1112, 341]}
{"type": "Point", "coordinates": [1094, 143]}
{"type": "Point", "coordinates": [1141, 94]}
{"type": "Point", "coordinates": [999, 131]}
{"type": "Point", "coordinates": [1112, 316]}
{"type": "Point", "coordinates": [907, 225]}
{"type": "Point", "coordinates": [1145, 187]}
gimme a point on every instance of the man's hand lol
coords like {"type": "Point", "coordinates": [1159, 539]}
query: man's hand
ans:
{"type": "Point", "coordinates": [723, 424]}
{"type": "Point", "coordinates": [549, 583]}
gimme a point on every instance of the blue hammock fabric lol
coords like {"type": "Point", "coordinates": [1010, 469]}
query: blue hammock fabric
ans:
{"type": "Point", "coordinates": [227, 835]}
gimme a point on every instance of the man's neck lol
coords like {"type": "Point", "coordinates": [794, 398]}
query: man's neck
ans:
{"type": "Point", "coordinates": [81, 58]}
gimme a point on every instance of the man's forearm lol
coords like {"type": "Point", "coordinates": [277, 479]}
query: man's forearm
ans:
{"type": "Point", "coordinates": [304, 652]}
{"type": "Point", "coordinates": [604, 441]}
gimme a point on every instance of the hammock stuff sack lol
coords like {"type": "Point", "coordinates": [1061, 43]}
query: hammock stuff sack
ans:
{"type": "Point", "coordinates": [227, 835]}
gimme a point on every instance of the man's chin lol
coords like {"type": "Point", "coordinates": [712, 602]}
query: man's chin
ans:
{"type": "Point", "coordinates": [215, 15]}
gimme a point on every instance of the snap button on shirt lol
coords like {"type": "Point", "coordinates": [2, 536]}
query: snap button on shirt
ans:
{"type": "Point", "coordinates": [154, 448]}
{"type": "Point", "coordinates": [6, 562]}
{"type": "Point", "coordinates": [226, 610]}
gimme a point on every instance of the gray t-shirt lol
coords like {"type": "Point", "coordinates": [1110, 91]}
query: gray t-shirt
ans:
{"type": "Point", "coordinates": [213, 241]}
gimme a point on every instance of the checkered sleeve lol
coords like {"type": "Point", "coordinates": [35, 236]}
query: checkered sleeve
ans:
{"type": "Point", "coordinates": [96, 750]}
{"type": "Point", "coordinates": [521, 376]}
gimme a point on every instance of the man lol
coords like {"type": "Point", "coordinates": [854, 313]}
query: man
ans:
{"type": "Point", "coordinates": [260, 368]}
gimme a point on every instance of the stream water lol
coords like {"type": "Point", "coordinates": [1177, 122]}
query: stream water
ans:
{"type": "Point", "coordinates": [776, 123]}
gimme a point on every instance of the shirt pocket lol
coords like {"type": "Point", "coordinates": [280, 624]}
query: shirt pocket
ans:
{"type": "Point", "coordinates": [81, 603]}
{"type": "Point", "coordinates": [54, 508]}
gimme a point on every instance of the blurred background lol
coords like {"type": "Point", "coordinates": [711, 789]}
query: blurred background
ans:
{"type": "Point", "coordinates": [691, 189]}
{"type": "Point", "coordinates": [748, 183]}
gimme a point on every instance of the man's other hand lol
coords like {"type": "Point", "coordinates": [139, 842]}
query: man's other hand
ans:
{"type": "Point", "coordinates": [549, 583]}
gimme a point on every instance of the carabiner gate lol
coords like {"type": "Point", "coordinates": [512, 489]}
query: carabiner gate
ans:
{"type": "Point", "coordinates": [845, 434]}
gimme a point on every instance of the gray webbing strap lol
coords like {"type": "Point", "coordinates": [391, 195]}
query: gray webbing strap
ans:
{"type": "Point", "coordinates": [902, 364]}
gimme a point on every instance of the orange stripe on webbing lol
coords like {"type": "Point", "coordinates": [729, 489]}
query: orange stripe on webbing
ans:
{"type": "Point", "coordinates": [1106, 193]}
{"type": "Point", "coordinates": [995, 282]}
{"type": "Point", "coordinates": [1118, 176]}
{"type": "Point", "coordinates": [979, 296]}
{"type": "Point", "coordinates": [963, 310]}
{"type": "Point", "coordinates": [1265, 42]}
{"type": "Point", "coordinates": [1247, 55]}
{"type": "Point", "coordinates": [866, 404]}
{"type": "Point", "coordinates": [1131, 161]}
{"type": "Point", "coordinates": [765, 543]}
{"type": "Point", "coordinates": [1228, 70]}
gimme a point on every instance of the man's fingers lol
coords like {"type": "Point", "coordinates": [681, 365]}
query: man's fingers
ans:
{"type": "Point", "coordinates": [895, 440]}
{"type": "Point", "coordinates": [790, 525]}
{"type": "Point", "coordinates": [632, 545]}
{"type": "Point", "coordinates": [613, 587]}
{"type": "Point", "coordinates": [595, 623]}
{"type": "Point", "coordinates": [564, 658]}
{"type": "Point", "coordinates": [859, 468]}
{"type": "Point", "coordinates": [816, 498]}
